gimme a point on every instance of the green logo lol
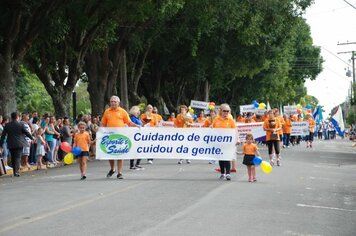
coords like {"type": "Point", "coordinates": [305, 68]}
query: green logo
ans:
{"type": "Point", "coordinates": [115, 144]}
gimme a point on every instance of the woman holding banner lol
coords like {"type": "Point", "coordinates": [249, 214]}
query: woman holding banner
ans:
{"type": "Point", "coordinates": [224, 121]}
{"type": "Point", "coordinates": [183, 120]}
{"type": "Point", "coordinates": [272, 128]}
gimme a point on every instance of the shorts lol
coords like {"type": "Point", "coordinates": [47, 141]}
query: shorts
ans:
{"type": "Point", "coordinates": [248, 160]}
{"type": "Point", "coordinates": [83, 154]}
{"type": "Point", "coordinates": [310, 137]}
{"type": "Point", "coordinates": [26, 151]}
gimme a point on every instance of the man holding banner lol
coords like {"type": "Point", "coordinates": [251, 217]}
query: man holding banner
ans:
{"type": "Point", "coordinates": [115, 116]}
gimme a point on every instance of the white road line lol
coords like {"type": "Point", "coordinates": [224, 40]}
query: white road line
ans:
{"type": "Point", "coordinates": [325, 207]}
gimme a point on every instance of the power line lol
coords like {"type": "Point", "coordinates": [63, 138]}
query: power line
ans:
{"type": "Point", "coordinates": [350, 4]}
{"type": "Point", "coordinates": [335, 56]}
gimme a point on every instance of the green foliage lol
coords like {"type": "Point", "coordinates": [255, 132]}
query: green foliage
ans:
{"type": "Point", "coordinates": [83, 103]}
{"type": "Point", "coordinates": [351, 118]}
{"type": "Point", "coordinates": [31, 94]}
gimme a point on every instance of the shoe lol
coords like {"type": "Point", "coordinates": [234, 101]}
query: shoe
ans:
{"type": "Point", "coordinates": [17, 175]}
{"type": "Point", "coordinates": [83, 177]}
{"type": "Point", "coordinates": [111, 172]}
{"type": "Point", "coordinates": [217, 169]}
{"type": "Point", "coordinates": [250, 179]}
{"type": "Point", "coordinates": [133, 168]}
{"type": "Point", "coordinates": [119, 176]}
{"type": "Point", "coordinates": [228, 177]}
{"type": "Point", "coordinates": [212, 162]}
{"type": "Point", "coordinates": [188, 161]}
{"type": "Point", "coordinates": [311, 146]}
{"type": "Point", "coordinates": [138, 167]}
{"type": "Point", "coordinates": [180, 162]}
{"type": "Point", "coordinates": [233, 170]}
{"type": "Point", "coordinates": [254, 179]}
{"type": "Point", "coordinates": [150, 162]}
{"type": "Point", "coordinates": [278, 163]}
{"type": "Point", "coordinates": [222, 177]}
{"type": "Point", "coordinates": [284, 146]}
{"type": "Point", "coordinates": [271, 162]}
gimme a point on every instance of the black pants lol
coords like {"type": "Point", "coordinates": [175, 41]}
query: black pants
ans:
{"type": "Point", "coordinates": [132, 162]}
{"type": "Point", "coordinates": [273, 144]}
{"type": "Point", "coordinates": [16, 154]}
{"type": "Point", "coordinates": [225, 167]}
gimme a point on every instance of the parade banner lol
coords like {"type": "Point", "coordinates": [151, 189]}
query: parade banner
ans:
{"type": "Point", "coordinates": [171, 124]}
{"type": "Point", "coordinates": [165, 143]}
{"type": "Point", "coordinates": [290, 110]}
{"type": "Point", "coordinates": [247, 108]}
{"type": "Point", "coordinates": [300, 128]}
{"type": "Point", "coordinates": [199, 104]}
{"type": "Point", "coordinates": [256, 129]}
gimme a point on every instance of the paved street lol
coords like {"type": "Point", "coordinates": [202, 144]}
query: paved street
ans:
{"type": "Point", "coordinates": [312, 193]}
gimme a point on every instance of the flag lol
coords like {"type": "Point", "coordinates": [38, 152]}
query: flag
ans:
{"type": "Point", "coordinates": [268, 106]}
{"type": "Point", "coordinates": [280, 109]}
{"type": "Point", "coordinates": [338, 121]}
{"type": "Point", "coordinates": [318, 115]}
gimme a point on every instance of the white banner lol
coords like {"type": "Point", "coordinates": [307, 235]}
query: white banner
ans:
{"type": "Point", "coordinates": [165, 143]}
{"type": "Point", "coordinates": [199, 104]}
{"type": "Point", "coordinates": [171, 124]}
{"type": "Point", "coordinates": [290, 110]}
{"type": "Point", "coordinates": [300, 128]}
{"type": "Point", "coordinates": [256, 129]}
{"type": "Point", "coordinates": [247, 108]}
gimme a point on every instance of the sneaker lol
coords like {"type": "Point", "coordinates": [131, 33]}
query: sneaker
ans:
{"type": "Point", "coordinates": [83, 177]}
{"type": "Point", "coordinates": [284, 146]}
{"type": "Point", "coordinates": [228, 177]}
{"type": "Point", "coordinates": [217, 169]}
{"type": "Point", "coordinates": [150, 162]}
{"type": "Point", "coordinates": [254, 179]}
{"type": "Point", "coordinates": [233, 170]}
{"type": "Point", "coordinates": [222, 177]}
{"type": "Point", "coordinates": [133, 168]}
{"type": "Point", "coordinates": [278, 163]}
{"type": "Point", "coordinates": [180, 162]}
{"type": "Point", "coordinates": [138, 167]}
{"type": "Point", "coordinates": [188, 161]}
{"type": "Point", "coordinates": [250, 179]}
{"type": "Point", "coordinates": [271, 162]}
{"type": "Point", "coordinates": [311, 145]}
{"type": "Point", "coordinates": [119, 176]}
{"type": "Point", "coordinates": [111, 172]}
{"type": "Point", "coordinates": [212, 162]}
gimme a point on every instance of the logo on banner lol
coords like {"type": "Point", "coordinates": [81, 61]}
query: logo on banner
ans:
{"type": "Point", "coordinates": [115, 144]}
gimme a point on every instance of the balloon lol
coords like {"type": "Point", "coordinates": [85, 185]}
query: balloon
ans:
{"type": "Point", "coordinates": [308, 106]}
{"type": "Point", "coordinates": [68, 159]}
{"type": "Point", "coordinates": [76, 151]}
{"type": "Point", "coordinates": [309, 110]}
{"type": "Point", "coordinates": [66, 147]}
{"type": "Point", "coordinates": [266, 167]}
{"type": "Point", "coordinates": [299, 110]}
{"type": "Point", "coordinates": [255, 103]}
{"type": "Point", "coordinates": [299, 106]}
{"type": "Point", "coordinates": [262, 105]}
{"type": "Point", "coordinates": [257, 160]}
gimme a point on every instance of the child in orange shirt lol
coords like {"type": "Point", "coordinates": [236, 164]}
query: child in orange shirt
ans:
{"type": "Point", "coordinates": [82, 140]}
{"type": "Point", "coordinates": [250, 150]}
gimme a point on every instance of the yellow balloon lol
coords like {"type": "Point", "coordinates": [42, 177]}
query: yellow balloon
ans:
{"type": "Point", "coordinates": [68, 159]}
{"type": "Point", "coordinates": [266, 167]}
{"type": "Point", "coordinates": [299, 106]}
{"type": "Point", "coordinates": [262, 105]}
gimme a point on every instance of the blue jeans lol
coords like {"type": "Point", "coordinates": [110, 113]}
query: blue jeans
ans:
{"type": "Point", "coordinates": [51, 145]}
{"type": "Point", "coordinates": [286, 139]}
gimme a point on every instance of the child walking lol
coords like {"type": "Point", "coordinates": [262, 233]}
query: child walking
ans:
{"type": "Point", "coordinates": [40, 148]}
{"type": "Point", "coordinates": [250, 150]}
{"type": "Point", "coordinates": [82, 140]}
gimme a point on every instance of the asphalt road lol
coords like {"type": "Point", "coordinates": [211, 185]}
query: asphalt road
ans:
{"type": "Point", "coordinates": [312, 193]}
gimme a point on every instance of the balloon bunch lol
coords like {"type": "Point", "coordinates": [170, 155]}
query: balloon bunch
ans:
{"type": "Point", "coordinates": [258, 105]}
{"type": "Point", "coordinates": [190, 110]}
{"type": "Point", "coordinates": [71, 152]}
{"type": "Point", "coordinates": [299, 109]}
{"type": "Point", "coordinates": [211, 105]}
{"type": "Point", "coordinates": [265, 166]}
{"type": "Point", "coordinates": [308, 107]}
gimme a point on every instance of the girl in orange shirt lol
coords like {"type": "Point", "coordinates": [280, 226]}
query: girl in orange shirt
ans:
{"type": "Point", "coordinates": [82, 140]}
{"type": "Point", "coordinates": [250, 150]}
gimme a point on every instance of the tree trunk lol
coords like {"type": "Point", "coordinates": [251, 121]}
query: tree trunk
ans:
{"type": "Point", "coordinates": [7, 88]}
{"type": "Point", "coordinates": [206, 91]}
{"type": "Point", "coordinates": [123, 83]}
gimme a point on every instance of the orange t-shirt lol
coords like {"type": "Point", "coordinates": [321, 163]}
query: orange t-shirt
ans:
{"type": "Point", "coordinates": [266, 125]}
{"type": "Point", "coordinates": [180, 121]}
{"type": "Point", "coordinates": [82, 140]}
{"type": "Point", "coordinates": [201, 120]}
{"type": "Point", "coordinates": [240, 119]}
{"type": "Point", "coordinates": [115, 117]}
{"type": "Point", "coordinates": [158, 117]}
{"type": "Point", "coordinates": [220, 122]}
{"type": "Point", "coordinates": [311, 124]}
{"type": "Point", "coordinates": [171, 119]}
{"type": "Point", "coordinates": [281, 121]}
{"type": "Point", "coordinates": [249, 149]}
{"type": "Point", "coordinates": [287, 127]}
{"type": "Point", "coordinates": [153, 121]}
{"type": "Point", "coordinates": [208, 122]}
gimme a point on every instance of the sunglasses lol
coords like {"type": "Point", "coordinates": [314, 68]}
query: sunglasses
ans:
{"type": "Point", "coordinates": [226, 111]}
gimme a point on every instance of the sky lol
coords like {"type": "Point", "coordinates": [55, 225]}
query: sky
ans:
{"type": "Point", "coordinates": [332, 22]}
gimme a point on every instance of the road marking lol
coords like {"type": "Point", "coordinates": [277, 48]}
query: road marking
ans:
{"type": "Point", "coordinates": [325, 207]}
{"type": "Point", "coordinates": [69, 206]}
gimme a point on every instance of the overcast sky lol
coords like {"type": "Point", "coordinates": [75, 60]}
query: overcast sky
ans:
{"type": "Point", "coordinates": [332, 22]}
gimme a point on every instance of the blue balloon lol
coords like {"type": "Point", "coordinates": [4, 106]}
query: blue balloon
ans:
{"type": "Point", "coordinates": [76, 151]}
{"type": "Point", "coordinates": [255, 103]}
{"type": "Point", "coordinates": [308, 106]}
{"type": "Point", "coordinates": [257, 160]}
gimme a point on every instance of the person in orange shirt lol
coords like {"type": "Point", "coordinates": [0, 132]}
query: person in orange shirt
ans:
{"type": "Point", "coordinates": [83, 141]}
{"type": "Point", "coordinates": [223, 121]}
{"type": "Point", "coordinates": [281, 121]}
{"type": "Point", "coordinates": [241, 118]}
{"type": "Point", "coordinates": [148, 118]}
{"type": "Point", "coordinates": [172, 117]}
{"type": "Point", "coordinates": [156, 115]}
{"type": "Point", "coordinates": [250, 150]}
{"type": "Point", "coordinates": [310, 138]}
{"type": "Point", "coordinates": [183, 120]}
{"type": "Point", "coordinates": [287, 129]}
{"type": "Point", "coordinates": [272, 127]}
{"type": "Point", "coordinates": [209, 120]}
{"type": "Point", "coordinates": [201, 119]}
{"type": "Point", "coordinates": [115, 116]}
